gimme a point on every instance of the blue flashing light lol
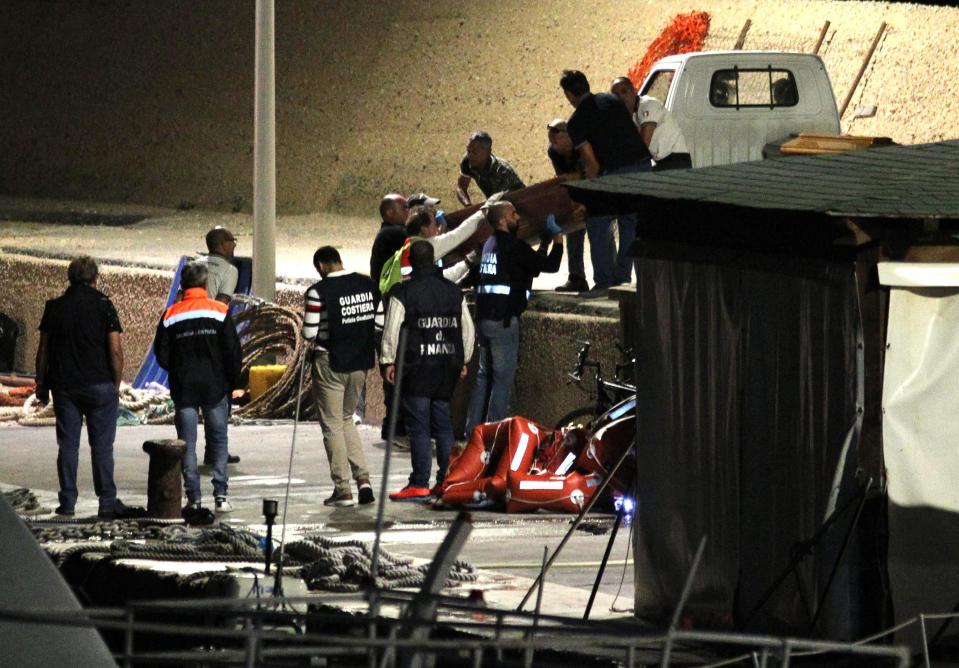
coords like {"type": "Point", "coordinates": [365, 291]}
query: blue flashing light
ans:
{"type": "Point", "coordinates": [625, 503]}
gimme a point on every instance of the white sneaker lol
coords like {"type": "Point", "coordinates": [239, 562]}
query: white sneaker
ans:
{"type": "Point", "coordinates": [357, 420]}
{"type": "Point", "coordinates": [223, 505]}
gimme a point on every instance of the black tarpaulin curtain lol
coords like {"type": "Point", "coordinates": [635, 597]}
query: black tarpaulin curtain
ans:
{"type": "Point", "coordinates": [746, 371]}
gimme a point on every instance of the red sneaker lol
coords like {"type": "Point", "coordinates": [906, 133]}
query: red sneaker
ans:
{"type": "Point", "coordinates": [410, 493]}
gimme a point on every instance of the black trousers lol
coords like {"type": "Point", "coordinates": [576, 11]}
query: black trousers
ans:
{"type": "Point", "coordinates": [388, 404]}
{"type": "Point", "coordinates": [674, 161]}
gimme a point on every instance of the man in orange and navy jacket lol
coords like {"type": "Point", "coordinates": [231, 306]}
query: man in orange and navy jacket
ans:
{"type": "Point", "coordinates": [197, 343]}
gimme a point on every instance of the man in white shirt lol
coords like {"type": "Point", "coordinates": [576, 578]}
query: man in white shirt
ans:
{"type": "Point", "coordinates": [657, 127]}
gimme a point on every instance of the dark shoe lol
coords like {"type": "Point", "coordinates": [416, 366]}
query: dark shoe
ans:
{"type": "Point", "coordinates": [410, 493]}
{"type": "Point", "coordinates": [574, 284]}
{"type": "Point", "coordinates": [64, 512]}
{"type": "Point", "coordinates": [230, 459]}
{"type": "Point", "coordinates": [596, 292]}
{"type": "Point", "coordinates": [121, 511]}
{"type": "Point", "coordinates": [340, 499]}
{"type": "Point", "coordinates": [366, 492]}
{"type": "Point", "coordinates": [196, 515]}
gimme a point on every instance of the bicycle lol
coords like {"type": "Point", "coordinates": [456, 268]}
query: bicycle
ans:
{"type": "Point", "coordinates": [609, 392]}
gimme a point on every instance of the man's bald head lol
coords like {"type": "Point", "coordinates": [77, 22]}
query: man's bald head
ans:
{"type": "Point", "coordinates": [393, 209]}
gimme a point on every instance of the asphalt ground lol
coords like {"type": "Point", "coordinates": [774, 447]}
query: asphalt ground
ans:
{"type": "Point", "coordinates": [511, 545]}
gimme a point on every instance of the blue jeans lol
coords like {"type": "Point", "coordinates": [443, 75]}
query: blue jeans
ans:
{"type": "Point", "coordinates": [427, 418]}
{"type": "Point", "coordinates": [602, 249]}
{"type": "Point", "coordinates": [99, 404]}
{"type": "Point", "coordinates": [599, 229]}
{"type": "Point", "coordinates": [498, 355]}
{"type": "Point", "coordinates": [215, 419]}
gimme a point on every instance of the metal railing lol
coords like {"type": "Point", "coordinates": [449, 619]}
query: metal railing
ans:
{"type": "Point", "coordinates": [254, 631]}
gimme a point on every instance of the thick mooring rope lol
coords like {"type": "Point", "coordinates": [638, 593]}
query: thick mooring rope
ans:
{"type": "Point", "coordinates": [345, 566]}
{"type": "Point", "coordinates": [270, 328]}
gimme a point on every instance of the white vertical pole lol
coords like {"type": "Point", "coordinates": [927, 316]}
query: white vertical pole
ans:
{"type": "Point", "coordinates": [264, 157]}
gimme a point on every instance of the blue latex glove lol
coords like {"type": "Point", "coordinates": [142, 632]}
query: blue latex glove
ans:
{"type": "Point", "coordinates": [552, 227]}
{"type": "Point", "coordinates": [441, 218]}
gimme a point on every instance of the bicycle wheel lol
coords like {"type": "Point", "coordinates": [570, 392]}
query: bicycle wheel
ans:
{"type": "Point", "coordinates": [580, 417]}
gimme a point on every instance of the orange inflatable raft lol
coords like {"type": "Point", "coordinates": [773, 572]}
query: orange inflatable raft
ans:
{"type": "Point", "coordinates": [525, 466]}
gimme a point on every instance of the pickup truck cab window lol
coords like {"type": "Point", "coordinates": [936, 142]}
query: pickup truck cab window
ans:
{"type": "Point", "coordinates": [753, 88]}
{"type": "Point", "coordinates": [658, 84]}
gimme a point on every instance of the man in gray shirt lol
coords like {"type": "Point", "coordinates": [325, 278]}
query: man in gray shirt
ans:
{"type": "Point", "coordinates": [221, 279]}
{"type": "Point", "coordinates": [222, 274]}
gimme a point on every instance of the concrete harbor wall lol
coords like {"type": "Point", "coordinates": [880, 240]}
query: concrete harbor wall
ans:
{"type": "Point", "coordinates": [551, 330]}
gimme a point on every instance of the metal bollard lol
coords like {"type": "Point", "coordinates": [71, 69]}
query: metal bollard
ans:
{"type": "Point", "coordinates": [165, 482]}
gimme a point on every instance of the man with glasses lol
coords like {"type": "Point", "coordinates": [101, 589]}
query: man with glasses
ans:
{"type": "Point", "coordinates": [222, 274]}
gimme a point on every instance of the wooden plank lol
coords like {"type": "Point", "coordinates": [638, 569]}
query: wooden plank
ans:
{"type": "Point", "coordinates": [862, 69]}
{"type": "Point", "coordinates": [742, 35]}
{"type": "Point", "coordinates": [822, 37]}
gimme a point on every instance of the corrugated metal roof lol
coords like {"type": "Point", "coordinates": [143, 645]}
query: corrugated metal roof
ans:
{"type": "Point", "coordinates": [919, 181]}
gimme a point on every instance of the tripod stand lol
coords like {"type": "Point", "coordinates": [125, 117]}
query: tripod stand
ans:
{"type": "Point", "coordinates": [803, 548]}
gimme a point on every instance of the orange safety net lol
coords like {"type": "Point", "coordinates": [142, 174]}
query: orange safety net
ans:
{"type": "Point", "coordinates": [685, 33]}
{"type": "Point", "coordinates": [16, 396]}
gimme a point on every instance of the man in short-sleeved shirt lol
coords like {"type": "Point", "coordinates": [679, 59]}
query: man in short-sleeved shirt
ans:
{"type": "Point", "coordinates": [491, 173]}
{"type": "Point", "coordinates": [608, 142]}
{"type": "Point", "coordinates": [80, 360]}
{"type": "Point", "coordinates": [657, 127]}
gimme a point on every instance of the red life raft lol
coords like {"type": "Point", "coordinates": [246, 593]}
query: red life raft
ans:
{"type": "Point", "coordinates": [567, 493]}
{"type": "Point", "coordinates": [495, 450]}
{"type": "Point", "coordinates": [528, 466]}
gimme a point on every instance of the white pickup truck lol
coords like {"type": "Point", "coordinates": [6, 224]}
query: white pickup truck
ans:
{"type": "Point", "coordinates": [730, 104]}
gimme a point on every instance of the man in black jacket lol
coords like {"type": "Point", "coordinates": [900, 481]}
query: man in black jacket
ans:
{"type": "Point", "coordinates": [439, 345]}
{"type": "Point", "coordinates": [339, 320]}
{"type": "Point", "coordinates": [394, 210]}
{"type": "Point", "coordinates": [507, 270]}
{"type": "Point", "coordinates": [197, 343]}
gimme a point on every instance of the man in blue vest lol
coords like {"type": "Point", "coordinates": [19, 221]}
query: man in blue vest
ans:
{"type": "Point", "coordinates": [340, 310]}
{"type": "Point", "coordinates": [439, 344]}
{"type": "Point", "coordinates": [507, 269]}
